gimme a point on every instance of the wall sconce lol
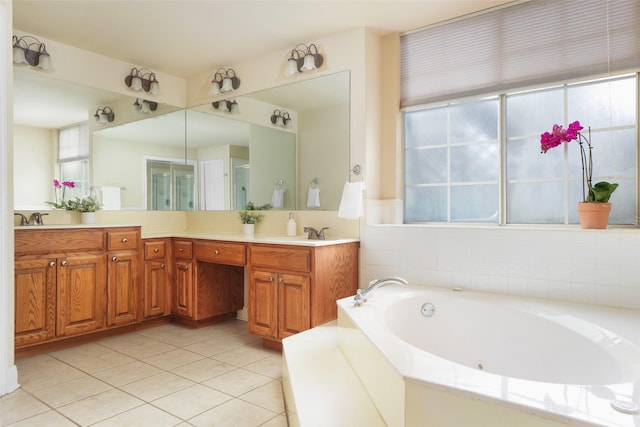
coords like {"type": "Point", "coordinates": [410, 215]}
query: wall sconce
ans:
{"type": "Point", "coordinates": [29, 50]}
{"type": "Point", "coordinates": [104, 115]}
{"type": "Point", "coordinates": [224, 81]}
{"type": "Point", "coordinates": [226, 106]}
{"type": "Point", "coordinates": [280, 118]}
{"type": "Point", "coordinates": [144, 106]}
{"type": "Point", "coordinates": [303, 58]}
{"type": "Point", "coordinates": [142, 79]}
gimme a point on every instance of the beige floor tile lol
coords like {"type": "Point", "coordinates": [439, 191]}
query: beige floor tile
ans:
{"type": "Point", "coordinates": [44, 371]}
{"type": "Point", "coordinates": [19, 408]}
{"type": "Point", "coordinates": [157, 386]}
{"type": "Point", "coordinates": [79, 352]}
{"type": "Point", "coordinates": [203, 369]}
{"type": "Point", "coordinates": [142, 416]}
{"type": "Point", "coordinates": [70, 391]}
{"type": "Point", "coordinates": [213, 346]}
{"type": "Point", "coordinates": [93, 361]}
{"type": "Point", "coordinates": [119, 342]}
{"type": "Point", "coordinates": [45, 419]}
{"type": "Point", "coordinates": [242, 356]}
{"type": "Point", "coordinates": [279, 421]}
{"type": "Point", "coordinates": [268, 396]}
{"type": "Point", "coordinates": [125, 374]}
{"type": "Point", "coordinates": [172, 359]}
{"type": "Point", "coordinates": [140, 351]}
{"type": "Point", "coordinates": [236, 413]}
{"type": "Point", "coordinates": [270, 366]}
{"type": "Point", "coordinates": [21, 393]}
{"type": "Point", "coordinates": [237, 382]}
{"type": "Point", "coordinates": [191, 401]}
{"type": "Point", "coordinates": [99, 407]}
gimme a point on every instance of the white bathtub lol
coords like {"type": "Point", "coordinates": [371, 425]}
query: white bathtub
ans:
{"type": "Point", "coordinates": [492, 360]}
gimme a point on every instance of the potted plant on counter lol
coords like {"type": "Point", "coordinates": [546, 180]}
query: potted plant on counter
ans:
{"type": "Point", "coordinates": [250, 217]}
{"type": "Point", "coordinates": [595, 207]}
{"type": "Point", "coordinates": [87, 206]}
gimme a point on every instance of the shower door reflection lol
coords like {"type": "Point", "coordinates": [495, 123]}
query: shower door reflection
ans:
{"type": "Point", "coordinates": [170, 186]}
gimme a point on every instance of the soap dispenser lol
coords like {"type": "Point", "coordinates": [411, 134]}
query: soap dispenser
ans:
{"type": "Point", "coordinates": [291, 225]}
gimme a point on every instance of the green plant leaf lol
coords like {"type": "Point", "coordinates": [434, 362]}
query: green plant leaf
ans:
{"type": "Point", "coordinates": [602, 191]}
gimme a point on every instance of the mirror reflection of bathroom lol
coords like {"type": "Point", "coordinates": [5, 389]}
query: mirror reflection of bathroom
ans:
{"type": "Point", "coordinates": [240, 183]}
{"type": "Point", "coordinates": [170, 185]}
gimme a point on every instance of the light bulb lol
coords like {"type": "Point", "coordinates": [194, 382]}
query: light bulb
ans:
{"type": "Point", "coordinates": [145, 108]}
{"type": "Point", "coordinates": [155, 87]}
{"type": "Point", "coordinates": [235, 108]}
{"type": "Point", "coordinates": [226, 85]}
{"type": "Point", "coordinates": [222, 106]}
{"type": "Point", "coordinates": [136, 83]}
{"type": "Point", "coordinates": [18, 55]}
{"type": "Point", "coordinates": [292, 67]}
{"type": "Point", "coordinates": [215, 87]}
{"type": "Point", "coordinates": [309, 63]}
{"type": "Point", "coordinates": [279, 121]}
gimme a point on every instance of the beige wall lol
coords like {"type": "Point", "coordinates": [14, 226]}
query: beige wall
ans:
{"type": "Point", "coordinates": [36, 148]}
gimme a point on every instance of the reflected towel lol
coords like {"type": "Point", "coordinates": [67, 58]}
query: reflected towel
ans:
{"type": "Point", "coordinates": [277, 199]}
{"type": "Point", "coordinates": [351, 202]}
{"type": "Point", "coordinates": [110, 198]}
{"type": "Point", "coordinates": [313, 197]}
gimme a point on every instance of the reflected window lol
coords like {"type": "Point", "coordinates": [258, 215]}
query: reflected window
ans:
{"type": "Point", "coordinates": [73, 159]}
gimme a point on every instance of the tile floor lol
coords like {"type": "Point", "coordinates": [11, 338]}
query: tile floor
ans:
{"type": "Point", "coordinates": [169, 375]}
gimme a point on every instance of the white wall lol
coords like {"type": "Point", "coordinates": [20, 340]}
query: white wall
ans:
{"type": "Point", "coordinates": [34, 147]}
{"type": "Point", "coordinates": [567, 264]}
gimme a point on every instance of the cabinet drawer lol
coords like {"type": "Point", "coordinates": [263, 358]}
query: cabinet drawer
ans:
{"type": "Point", "coordinates": [154, 249]}
{"type": "Point", "coordinates": [182, 249]}
{"type": "Point", "coordinates": [117, 240]}
{"type": "Point", "coordinates": [56, 241]}
{"type": "Point", "coordinates": [221, 253]}
{"type": "Point", "coordinates": [280, 258]}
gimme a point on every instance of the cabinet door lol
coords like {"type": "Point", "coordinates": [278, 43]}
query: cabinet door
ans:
{"type": "Point", "coordinates": [293, 304]}
{"type": "Point", "coordinates": [122, 286]}
{"type": "Point", "coordinates": [263, 304]}
{"type": "Point", "coordinates": [81, 294]}
{"type": "Point", "coordinates": [183, 301]}
{"type": "Point", "coordinates": [156, 293]}
{"type": "Point", "coordinates": [35, 300]}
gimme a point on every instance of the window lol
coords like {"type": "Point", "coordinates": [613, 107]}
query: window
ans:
{"type": "Point", "coordinates": [472, 121]}
{"type": "Point", "coordinates": [73, 159]}
{"type": "Point", "coordinates": [453, 154]}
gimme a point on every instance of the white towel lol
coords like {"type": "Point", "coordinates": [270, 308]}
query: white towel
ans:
{"type": "Point", "coordinates": [351, 205]}
{"type": "Point", "coordinates": [110, 198]}
{"type": "Point", "coordinates": [277, 199]}
{"type": "Point", "coordinates": [313, 197]}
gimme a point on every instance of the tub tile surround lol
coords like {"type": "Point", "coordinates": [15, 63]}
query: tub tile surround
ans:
{"type": "Point", "coordinates": [582, 266]}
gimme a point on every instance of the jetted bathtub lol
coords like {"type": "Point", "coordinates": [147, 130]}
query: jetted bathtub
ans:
{"type": "Point", "coordinates": [445, 358]}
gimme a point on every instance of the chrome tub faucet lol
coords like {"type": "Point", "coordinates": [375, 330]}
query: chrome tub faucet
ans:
{"type": "Point", "coordinates": [362, 294]}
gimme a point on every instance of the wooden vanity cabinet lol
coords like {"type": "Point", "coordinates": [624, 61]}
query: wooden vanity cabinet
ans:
{"type": "Point", "coordinates": [123, 277]}
{"type": "Point", "coordinates": [156, 291]}
{"type": "Point", "coordinates": [294, 288]}
{"type": "Point", "coordinates": [183, 304]}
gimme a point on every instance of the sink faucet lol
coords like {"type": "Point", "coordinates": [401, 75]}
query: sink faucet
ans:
{"type": "Point", "coordinates": [36, 218]}
{"type": "Point", "coordinates": [315, 234]}
{"type": "Point", "coordinates": [361, 295]}
{"type": "Point", "coordinates": [23, 219]}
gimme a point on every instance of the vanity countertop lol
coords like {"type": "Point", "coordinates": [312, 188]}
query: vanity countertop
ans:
{"type": "Point", "coordinates": [300, 240]}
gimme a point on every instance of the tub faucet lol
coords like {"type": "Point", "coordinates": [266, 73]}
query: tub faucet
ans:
{"type": "Point", "coordinates": [361, 295]}
{"type": "Point", "coordinates": [315, 234]}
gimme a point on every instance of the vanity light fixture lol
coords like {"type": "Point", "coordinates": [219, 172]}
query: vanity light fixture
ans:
{"type": "Point", "coordinates": [280, 118]}
{"type": "Point", "coordinates": [303, 58]}
{"type": "Point", "coordinates": [226, 106]}
{"type": "Point", "coordinates": [224, 80]}
{"type": "Point", "coordinates": [29, 50]}
{"type": "Point", "coordinates": [144, 106]}
{"type": "Point", "coordinates": [142, 79]}
{"type": "Point", "coordinates": [104, 115]}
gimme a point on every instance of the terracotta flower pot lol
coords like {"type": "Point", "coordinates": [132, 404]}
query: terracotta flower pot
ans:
{"type": "Point", "coordinates": [594, 215]}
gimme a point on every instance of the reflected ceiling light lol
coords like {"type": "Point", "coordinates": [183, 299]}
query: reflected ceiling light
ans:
{"type": "Point", "coordinates": [280, 118]}
{"type": "Point", "coordinates": [224, 81]}
{"type": "Point", "coordinates": [303, 58]}
{"type": "Point", "coordinates": [226, 106]}
{"type": "Point", "coordinates": [142, 79]}
{"type": "Point", "coordinates": [144, 106]}
{"type": "Point", "coordinates": [104, 115]}
{"type": "Point", "coordinates": [29, 50]}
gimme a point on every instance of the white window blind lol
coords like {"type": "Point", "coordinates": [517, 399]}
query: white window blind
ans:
{"type": "Point", "coordinates": [517, 46]}
{"type": "Point", "coordinates": [73, 142]}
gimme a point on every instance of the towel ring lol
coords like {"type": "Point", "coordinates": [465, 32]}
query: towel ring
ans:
{"type": "Point", "coordinates": [357, 170]}
{"type": "Point", "coordinates": [280, 184]}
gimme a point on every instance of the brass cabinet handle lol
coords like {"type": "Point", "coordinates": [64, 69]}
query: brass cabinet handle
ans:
{"type": "Point", "coordinates": [125, 240]}
{"type": "Point", "coordinates": [271, 278]}
{"type": "Point", "coordinates": [185, 267]}
{"type": "Point", "coordinates": [161, 265]}
{"type": "Point", "coordinates": [181, 250]}
{"type": "Point", "coordinates": [280, 279]}
{"type": "Point", "coordinates": [114, 258]}
{"type": "Point", "coordinates": [64, 262]}
{"type": "Point", "coordinates": [217, 252]}
{"type": "Point", "coordinates": [52, 263]}
{"type": "Point", "coordinates": [156, 250]}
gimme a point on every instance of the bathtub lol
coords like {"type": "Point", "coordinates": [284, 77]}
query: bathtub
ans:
{"type": "Point", "coordinates": [437, 357]}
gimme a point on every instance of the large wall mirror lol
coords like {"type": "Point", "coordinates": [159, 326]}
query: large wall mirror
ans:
{"type": "Point", "coordinates": [200, 158]}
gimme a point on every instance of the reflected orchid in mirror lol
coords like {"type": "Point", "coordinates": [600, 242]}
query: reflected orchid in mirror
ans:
{"type": "Point", "coordinates": [58, 185]}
